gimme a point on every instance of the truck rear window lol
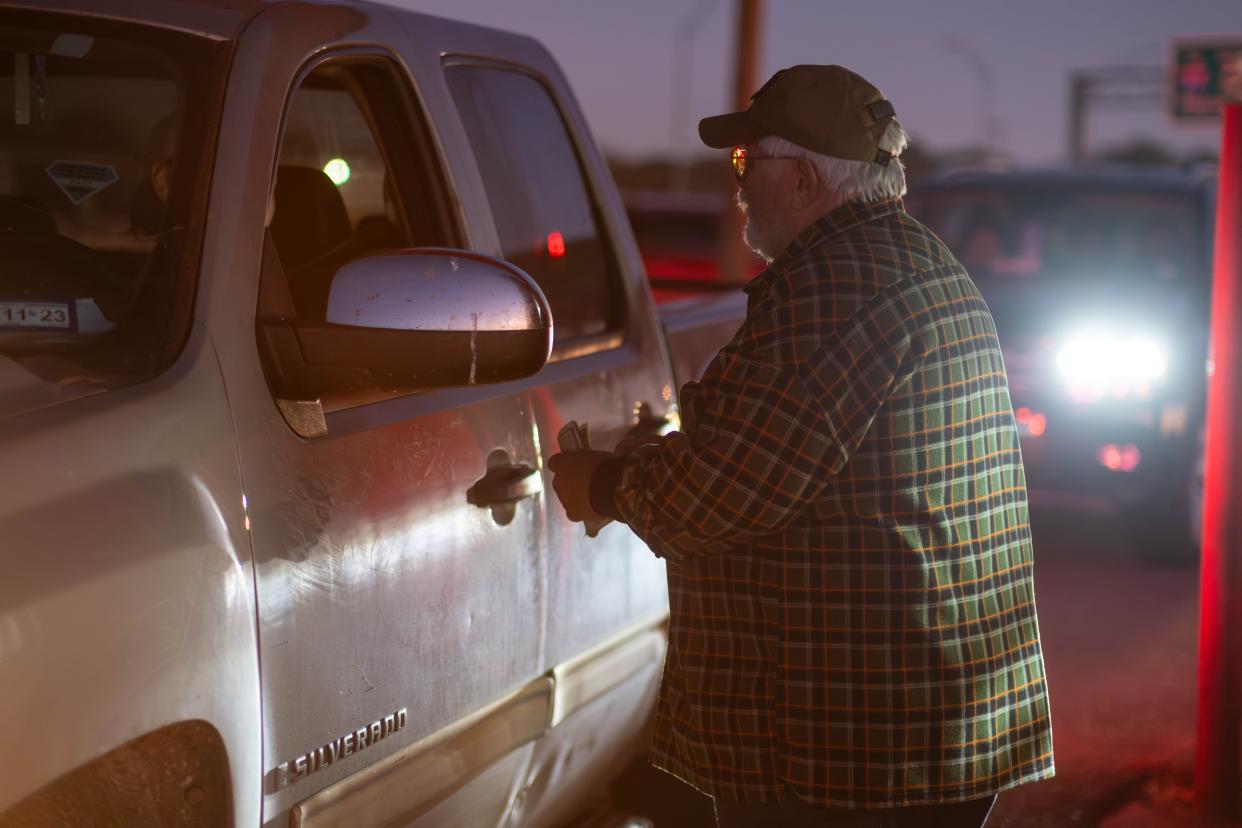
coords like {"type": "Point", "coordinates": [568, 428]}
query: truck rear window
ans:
{"type": "Point", "coordinates": [1065, 235]}
{"type": "Point", "coordinates": [543, 208]}
{"type": "Point", "coordinates": [102, 183]}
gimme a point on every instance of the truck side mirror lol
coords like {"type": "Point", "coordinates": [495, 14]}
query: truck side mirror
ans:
{"type": "Point", "coordinates": [416, 319]}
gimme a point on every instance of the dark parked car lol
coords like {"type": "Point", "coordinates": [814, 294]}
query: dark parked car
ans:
{"type": "Point", "coordinates": [1099, 280]}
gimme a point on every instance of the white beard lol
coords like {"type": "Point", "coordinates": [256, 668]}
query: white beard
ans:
{"type": "Point", "coordinates": [763, 232]}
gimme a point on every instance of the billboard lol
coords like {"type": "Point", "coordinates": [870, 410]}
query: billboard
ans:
{"type": "Point", "coordinates": [1205, 73]}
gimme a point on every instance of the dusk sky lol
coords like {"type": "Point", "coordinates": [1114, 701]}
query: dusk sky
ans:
{"type": "Point", "coordinates": [931, 58]}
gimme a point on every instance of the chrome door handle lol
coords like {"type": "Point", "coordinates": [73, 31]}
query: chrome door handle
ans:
{"type": "Point", "coordinates": [505, 484]}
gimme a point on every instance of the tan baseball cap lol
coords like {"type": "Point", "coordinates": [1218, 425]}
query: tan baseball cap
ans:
{"type": "Point", "coordinates": [826, 109]}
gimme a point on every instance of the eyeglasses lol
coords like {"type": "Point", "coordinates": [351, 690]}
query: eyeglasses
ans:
{"type": "Point", "coordinates": [742, 158]}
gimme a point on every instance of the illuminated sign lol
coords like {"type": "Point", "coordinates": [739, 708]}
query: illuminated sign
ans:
{"type": "Point", "coordinates": [1205, 74]}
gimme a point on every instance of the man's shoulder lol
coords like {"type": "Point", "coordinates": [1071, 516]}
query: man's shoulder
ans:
{"type": "Point", "coordinates": [866, 260]}
{"type": "Point", "coordinates": [887, 248]}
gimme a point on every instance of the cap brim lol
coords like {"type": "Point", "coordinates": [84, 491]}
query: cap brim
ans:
{"type": "Point", "coordinates": [730, 130]}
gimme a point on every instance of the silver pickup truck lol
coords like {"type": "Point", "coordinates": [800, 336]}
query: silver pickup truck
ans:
{"type": "Point", "coordinates": [294, 299]}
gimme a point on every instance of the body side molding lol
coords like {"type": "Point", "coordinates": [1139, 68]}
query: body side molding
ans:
{"type": "Point", "coordinates": [415, 779]}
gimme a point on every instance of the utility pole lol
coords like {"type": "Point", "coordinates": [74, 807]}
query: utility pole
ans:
{"type": "Point", "coordinates": [734, 253]}
{"type": "Point", "coordinates": [746, 81]}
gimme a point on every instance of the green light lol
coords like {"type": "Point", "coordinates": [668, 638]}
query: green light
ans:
{"type": "Point", "coordinates": [337, 170]}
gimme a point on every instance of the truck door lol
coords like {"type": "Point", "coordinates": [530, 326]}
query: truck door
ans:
{"type": "Point", "coordinates": [557, 216]}
{"type": "Point", "coordinates": [391, 609]}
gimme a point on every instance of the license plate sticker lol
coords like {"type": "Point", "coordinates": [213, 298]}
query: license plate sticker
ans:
{"type": "Point", "coordinates": [37, 315]}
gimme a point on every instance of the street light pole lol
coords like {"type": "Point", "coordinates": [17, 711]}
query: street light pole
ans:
{"type": "Point", "coordinates": [992, 131]}
{"type": "Point", "coordinates": [683, 87]}
{"type": "Point", "coordinates": [1078, 118]}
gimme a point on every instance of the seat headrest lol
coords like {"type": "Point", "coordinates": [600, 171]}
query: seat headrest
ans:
{"type": "Point", "coordinates": [309, 217]}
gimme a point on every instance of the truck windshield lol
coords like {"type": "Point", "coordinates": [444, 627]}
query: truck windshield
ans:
{"type": "Point", "coordinates": [104, 132]}
{"type": "Point", "coordinates": [1077, 234]}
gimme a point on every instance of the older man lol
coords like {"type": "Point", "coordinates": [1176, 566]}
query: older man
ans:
{"type": "Point", "coordinates": [853, 638]}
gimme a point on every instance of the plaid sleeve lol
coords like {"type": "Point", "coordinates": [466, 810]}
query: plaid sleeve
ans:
{"type": "Point", "coordinates": [774, 425]}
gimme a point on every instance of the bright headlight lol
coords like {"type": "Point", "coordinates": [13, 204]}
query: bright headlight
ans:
{"type": "Point", "coordinates": [1113, 359]}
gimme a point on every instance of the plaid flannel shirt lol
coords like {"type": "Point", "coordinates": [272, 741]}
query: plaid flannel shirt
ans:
{"type": "Point", "coordinates": [844, 519]}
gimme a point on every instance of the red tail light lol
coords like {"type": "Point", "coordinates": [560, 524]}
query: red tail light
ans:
{"type": "Point", "coordinates": [1119, 458]}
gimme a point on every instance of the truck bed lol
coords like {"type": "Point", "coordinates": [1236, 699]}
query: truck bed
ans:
{"type": "Point", "coordinates": [697, 327]}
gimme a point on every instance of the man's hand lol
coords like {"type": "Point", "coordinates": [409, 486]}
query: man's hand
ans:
{"type": "Point", "coordinates": [632, 444]}
{"type": "Point", "coordinates": [571, 480]}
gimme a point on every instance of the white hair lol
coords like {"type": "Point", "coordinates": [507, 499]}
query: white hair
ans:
{"type": "Point", "coordinates": [853, 180]}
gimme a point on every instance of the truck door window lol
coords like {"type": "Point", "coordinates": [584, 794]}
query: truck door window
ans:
{"type": "Point", "coordinates": [106, 130]}
{"type": "Point", "coordinates": [542, 207]}
{"type": "Point", "coordinates": [338, 194]}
